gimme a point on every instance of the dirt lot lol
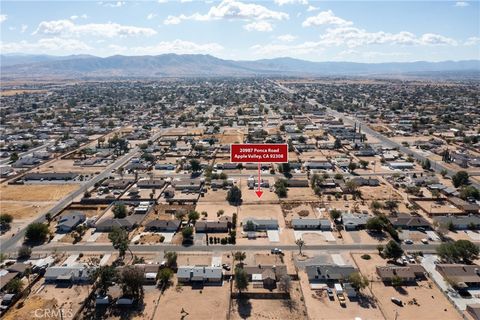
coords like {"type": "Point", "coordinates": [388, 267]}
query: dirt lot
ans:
{"type": "Point", "coordinates": [304, 194]}
{"type": "Point", "coordinates": [249, 195]}
{"type": "Point", "coordinates": [208, 303]}
{"type": "Point", "coordinates": [194, 259]}
{"type": "Point", "coordinates": [438, 207]}
{"type": "Point", "coordinates": [49, 296]}
{"type": "Point", "coordinates": [66, 165]}
{"type": "Point", "coordinates": [425, 293]}
{"type": "Point", "coordinates": [213, 207]}
{"type": "Point", "coordinates": [37, 192]}
{"type": "Point", "coordinates": [320, 307]}
{"type": "Point", "coordinates": [25, 210]}
{"type": "Point", "coordinates": [271, 308]}
{"type": "Point", "coordinates": [382, 192]}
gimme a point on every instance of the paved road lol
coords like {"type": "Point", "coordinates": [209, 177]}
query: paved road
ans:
{"type": "Point", "coordinates": [223, 248]}
{"type": "Point", "coordinates": [63, 203]}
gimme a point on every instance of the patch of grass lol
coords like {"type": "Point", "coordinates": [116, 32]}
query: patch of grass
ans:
{"type": "Point", "coordinates": [366, 257]}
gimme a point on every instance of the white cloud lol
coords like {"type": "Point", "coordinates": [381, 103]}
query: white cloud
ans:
{"type": "Point", "coordinates": [262, 26]}
{"type": "Point", "coordinates": [176, 46]}
{"type": "Point", "coordinates": [3, 18]}
{"type": "Point", "coordinates": [286, 38]}
{"type": "Point", "coordinates": [23, 28]}
{"type": "Point", "coordinates": [46, 45]}
{"type": "Point", "coordinates": [69, 28]}
{"type": "Point", "coordinates": [113, 4]}
{"type": "Point", "coordinates": [472, 41]}
{"type": "Point", "coordinates": [151, 16]}
{"type": "Point", "coordinates": [283, 2]}
{"type": "Point", "coordinates": [75, 17]}
{"type": "Point", "coordinates": [312, 8]}
{"type": "Point", "coordinates": [461, 4]}
{"type": "Point", "coordinates": [325, 18]}
{"type": "Point", "coordinates": [231, 9]}
{"type": "Point", "coordinates": [351, 37]}
{"type": "Point", "coordinates": [162, 1]}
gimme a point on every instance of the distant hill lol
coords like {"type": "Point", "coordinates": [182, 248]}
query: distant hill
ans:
{"type": "Point", "coordinates": [197, 65]}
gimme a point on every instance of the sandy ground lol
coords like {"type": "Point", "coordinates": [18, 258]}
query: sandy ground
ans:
{"type": "Point", "coordinates": [66, 165]}
{"type": "Point", "coordinates": [425, 293]}
{"type": "Point", "coordinates": [271, 308]}
{"type": "Point", "coordinates": [301, 194]}
{"type": "Point", "coordinates": [208, 303]}
{"type": "Point", "coordinates": [24, 209]}
{"type": "Point", "coordinates": [194, 259]}
{"type": "Point", "coordinates": [49, 296]}
{"type": "Point", "coordinates": [37, 192]}
{"type": "Point", "coordinates": [213, 207]}
{"type": "Point", "coordinates": [320, 307]}
{"type": "Point", "coordinates": [435, 207]}
{"type": "Point", "coordinates": [382, 192]}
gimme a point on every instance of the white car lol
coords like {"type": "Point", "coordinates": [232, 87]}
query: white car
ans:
{"type": "Point", "coordinates": [408, 241]}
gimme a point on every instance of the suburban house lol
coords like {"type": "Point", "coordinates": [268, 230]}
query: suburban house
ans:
{"type": "Point", "coordinates": [211, 226]}
{"type": "Point", "coordinates": [108, 224]}
{"type": "Point", "coordinates": [355, 221]}
{"type": "Point", "coordinates": [311, 224]}
{"type": "Point", "coordinates": [165, 166]}
{"type": "Point", "coordinates": [192, 185]}
{"type": "Point", "coordinates": [163, 225]}
{"type": "Point", "coordinates": [204, 275]}
{"type": "Point", "coordinates": [401, 165]}
{"type": "Point", "coordinates": [466, 207]}
{"type": "Point", "coordinates": [459, 222]}
{"type": "Point", "coordinates": [70, 221]}
{"type": "Point", "coordinates": [328, 272]}
{"type": "Point", "coordinates": [150, 183]}
{"type": "Point", "coordinates": [259, 224]}
{"type": "Point", "coordinates": [361, 181]}
{"type": "Point", "coordinates": [409, 273]}
{"type": "Point", "coordinates": [409, 222]}
{"type": "Point", "coordinates": [69, 274]}
{"type": "Point", "coordinates": [462, 275]}
{"type": "Point", "coordinates": [265, 276]}
{"type": "Point", "coordinates": [299, 183]}
{"type": "Point", "coordinates": [318, 165]}
{"type": "Point", "coordinates": [50, 176]}
{"type": "Point", "coordinates": [474, 310]}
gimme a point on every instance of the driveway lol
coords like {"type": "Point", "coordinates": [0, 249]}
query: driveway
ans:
{"type": "Point", "coordinates": [273, 235]}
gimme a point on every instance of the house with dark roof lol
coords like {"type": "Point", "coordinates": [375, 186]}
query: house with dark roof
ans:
{"type": "Point", "coordinates": [409, 273]}
{"type": "Point", "coordinates": [459, 222]}
{"type": "Point", "coordinates": [463, 275]}
{"type": "Point", "coordinates": [311, 224]}
{"type": "Point", "coordinates": [211, 226]}
{"type": "Point", "coordinates": [409, 222]}
{"type": "Point", "coordinates": [200, 274]}
{"type": "Point", "coordinates": [259, 224]}
{"type": "Point", "coordinates": [328, 272]}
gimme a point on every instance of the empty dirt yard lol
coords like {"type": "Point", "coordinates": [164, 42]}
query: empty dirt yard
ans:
{"type": "Point", "coordinates": [37, 192]}
{"type": "Point", "coordinates": [207, 303]}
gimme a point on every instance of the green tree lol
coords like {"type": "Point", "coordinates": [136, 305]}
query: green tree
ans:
{"type": "Point", "coordinates": [5, 220]}
{"type": "Point", "coordinates": [187, 232]}
{"type": "Point", "coordinates": [374, 224]}
{"type": "Point", "coordinates": [24, 252]}
{"type": "Point", "coordinates": [193, 216]}
{"type": "Point", "coordinates": [164, 276]}
{"type": "Point", "coordinates": [460, 178]}
{"type": "Point", "coordinates": [393, 250]}
{"type": "Point", "coordinates": [352, 166]}
{"type": "Point", "coordinates": [14, 286]}
{"type": "Point", "coordinates": [119, 211]}
{"type": "Point", "coordinates": [14, 157]}
{"type": "Point", "coordinates": [105, 276]}
{"type": "Point", "coordinates": [234, 195]}
{"type": "Point", "coordinates": [171, 259]}
{"type": "Point", "coordinates": [358, 281]}
{"type": "Point", "coordinates": [469, 192]}
{"type": "Point", "coordinates": [281, 188]}
{"type": "Point", "coordinates": [119, 239]}
{"type": "Point", "coordinates": [239, 256]}
{"type": "Point", "coordinates": [335, 214]}
{"type": "Point", "coordinates": [195, 165]}
{"type": "Point", "coordinates": [337, 144]}
{"type": "Point", "coordinates": [36, 232]}
{"type": "Point", "coordinates": [391, 205]}
{"type": "Point", "coordinates": [364, 164]}
{"type": "Point", "coordinates": [241, 279]}
{"type": "Point", "coordinates": [131, 281]}
{"type": "Point", "coordinates": [459, 251]}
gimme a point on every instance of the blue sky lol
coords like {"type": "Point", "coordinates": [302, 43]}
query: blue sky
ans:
{"type": "Point", "coordinates": [362, 31]}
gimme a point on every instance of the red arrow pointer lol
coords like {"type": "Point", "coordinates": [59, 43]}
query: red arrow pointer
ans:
{"type": "Point", "coordinates": [259, 192]}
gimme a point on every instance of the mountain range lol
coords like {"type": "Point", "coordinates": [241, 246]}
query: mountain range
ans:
{"type": "Point", "coordinates": [21, 66]}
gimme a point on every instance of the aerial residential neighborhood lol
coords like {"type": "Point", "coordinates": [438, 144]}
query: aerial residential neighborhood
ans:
{"type": "Point", "coordinates": [217, 178]}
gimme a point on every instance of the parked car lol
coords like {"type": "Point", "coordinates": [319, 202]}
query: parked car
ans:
{"type": "Point", "coordinates": [408, 241]}
{"type": "Point", "coordinates": [397, 301]}
{"type": "Point", "coordinates": [424, 241]}
{"type": "Point", "coordinates": [276, 251]}
{"type": "Point", "coordinates": [330, 294]}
